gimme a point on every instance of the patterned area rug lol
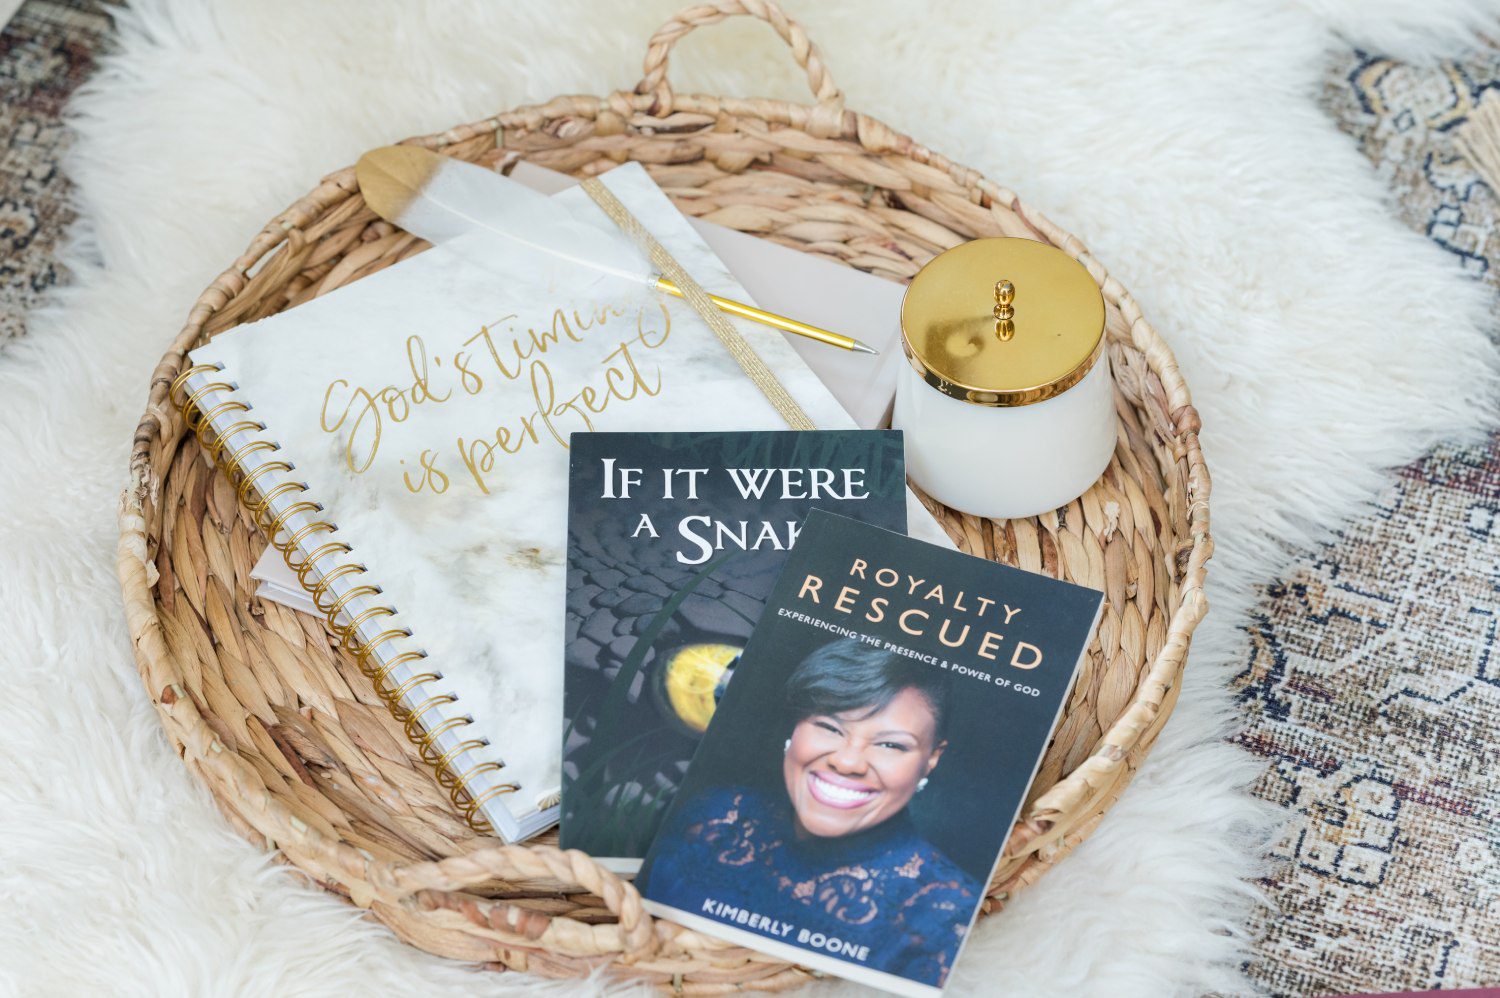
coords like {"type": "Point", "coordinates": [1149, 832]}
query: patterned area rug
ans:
{"type": "Point", "coordinates": [46, 51]}
{"type": "Point", "coordinates": [1373, 689]}
{"type": "Point", "coordinates": [1373, 686]}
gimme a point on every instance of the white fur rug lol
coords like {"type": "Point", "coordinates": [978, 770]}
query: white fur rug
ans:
{"type": "Point", "coordinates": [1323, 342]}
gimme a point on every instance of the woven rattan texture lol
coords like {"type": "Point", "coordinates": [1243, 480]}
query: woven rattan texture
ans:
{"type": "Point", "coordinates": [300, 754]}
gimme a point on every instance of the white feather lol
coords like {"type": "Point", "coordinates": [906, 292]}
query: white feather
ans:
{"type": "Point", "coordinates": [456, 198]}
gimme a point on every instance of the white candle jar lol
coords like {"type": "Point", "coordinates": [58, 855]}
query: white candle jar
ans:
{"type": "Point", "coordinates": [1006, 399]}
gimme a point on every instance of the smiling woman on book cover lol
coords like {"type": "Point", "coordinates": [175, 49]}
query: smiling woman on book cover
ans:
{"type": "Point", "coordinates": [866, 731]}
{"type": "Point", "coordinates": [852, 795]}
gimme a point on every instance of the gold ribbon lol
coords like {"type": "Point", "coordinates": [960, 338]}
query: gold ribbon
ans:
{"type": "Point", "coordinates": [750, 362]}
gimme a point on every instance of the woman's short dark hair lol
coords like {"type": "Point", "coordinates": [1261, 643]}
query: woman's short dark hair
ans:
{"type": "Point", "coordinates": [850, 676]}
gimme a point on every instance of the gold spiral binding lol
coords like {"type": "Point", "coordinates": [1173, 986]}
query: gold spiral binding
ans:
{"type": "Point", "coordinates": [445, 775]}
{"type": "Point", "coordinates": [414, 715]}
{"type": "Point", "coordinates": [235, 462]}
{"type": "Point", "coordinates": [363, 653]}
{"type": "Point", "coordinates": [350, 635]}
{"type": "Point", "coordinates": [307, 563]}
{"type": "Point", "coordinates": [257, 509]}
{"type": "Point", "coordinates": [458, 785]}
{"type": "Point", "coordinates": [182, 379]}
{"type": "Point", "coordinates": [233, 405]}
{"type": "Point", "coordinates": [462, 796]}
{"type": "Point", "coordinates": [254, 505]}
{"type": "Point", "coordinates": [191, 401]}
{"type": "Point", "coordinates": [247, 479]}
{"type": "Point", "coordinates": [198, 416]}
{"type": "Point", "coordinates": [434, 733]}
{"type": "Point", "coordinates": [381, 670]}
{"type": "Point", "coordinates": [472, 810]}
{"type": "Point", "coordinates": [352, 593]}
{"type": "Point", "coordinates": [380, 675]}
{"type": "Point", "coordinates": [327, 579]}
{"type": "Point", "coordinates": [243, 426]}
{"type": "Point", "coordinates": [393, 697]}
{"type": "Point", "coordinates": [303, 532]}
{"type": "Point", "coordinates": [273, 526]}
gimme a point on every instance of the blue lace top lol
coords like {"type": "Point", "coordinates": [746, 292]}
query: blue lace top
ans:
{"type": "Point", "coordinates": [733, 850]}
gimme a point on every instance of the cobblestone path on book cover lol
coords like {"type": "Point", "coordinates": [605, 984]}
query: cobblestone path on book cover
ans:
{"type": "Point", "coordinates": [616, 591]}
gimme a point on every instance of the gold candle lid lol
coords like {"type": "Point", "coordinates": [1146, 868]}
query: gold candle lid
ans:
{"type": "Point", "coordinates": [1002, 322]}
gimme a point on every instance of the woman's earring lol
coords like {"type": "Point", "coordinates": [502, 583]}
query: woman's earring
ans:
{"type": "Point", "coordinates": [786, 746]}
{"type": "Point", "coordinates": [922, 784]}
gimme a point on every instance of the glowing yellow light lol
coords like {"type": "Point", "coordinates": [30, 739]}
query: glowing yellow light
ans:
{"type": "Point", "coordinates": [692, 674]}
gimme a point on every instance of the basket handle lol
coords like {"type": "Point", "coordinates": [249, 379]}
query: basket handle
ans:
{"type": "Point", "coordinates": [828, 113]}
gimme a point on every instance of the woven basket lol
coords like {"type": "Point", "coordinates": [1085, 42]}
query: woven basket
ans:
{"type": "Point", "coordinates": [301, 756]}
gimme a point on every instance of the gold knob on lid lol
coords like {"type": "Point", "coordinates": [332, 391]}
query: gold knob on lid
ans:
{"type": "Point", "coordinates": [963, 333]}
{"type": "Point", "coordinates": [1005, 293]}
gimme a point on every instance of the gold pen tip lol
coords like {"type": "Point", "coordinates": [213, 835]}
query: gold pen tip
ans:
{"type": "Point", "coordinates": [860, 347]}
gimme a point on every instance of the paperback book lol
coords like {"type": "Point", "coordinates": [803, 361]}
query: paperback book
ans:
{"type": "Point", "coordinates": [848, 805]}
{"type": "Point", "coordinates": [674, 543]}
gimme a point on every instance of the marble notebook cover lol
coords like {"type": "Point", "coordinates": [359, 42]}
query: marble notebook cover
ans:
{"type": "Point", "coordinates": [784, 280]}
{"type": "Point", "coordinates": [427, 408]}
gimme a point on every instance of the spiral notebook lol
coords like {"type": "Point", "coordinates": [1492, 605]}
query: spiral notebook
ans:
{"type": "Point", "coordinates": [403, 440]}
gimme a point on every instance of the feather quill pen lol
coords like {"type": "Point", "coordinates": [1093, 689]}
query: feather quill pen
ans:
{"type": "Point", "coordinates": [440, 198]}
